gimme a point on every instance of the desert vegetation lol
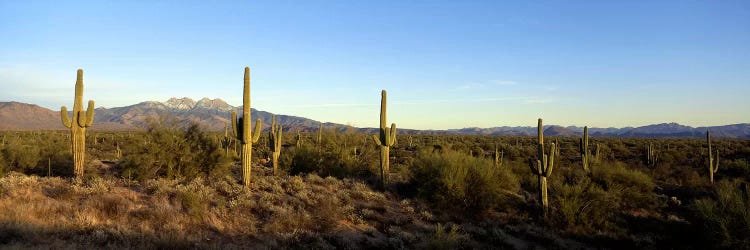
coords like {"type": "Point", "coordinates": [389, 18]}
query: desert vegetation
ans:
{"type": "Point", "coordinates": [178, 185]}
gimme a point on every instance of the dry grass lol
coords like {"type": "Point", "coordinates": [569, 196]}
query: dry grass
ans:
{"type": "Point", "coordinates": [276, 212]}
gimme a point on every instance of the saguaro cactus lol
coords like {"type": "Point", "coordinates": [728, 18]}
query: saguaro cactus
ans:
{"type": "Point", "coordinates": [81, 120]}
{"type": "Point", "coordinates": [712, 168]}
{"type": "Point", "coordinates": [651, 156]}
{"type": "Point", "coordinates": [584, 148]}
{"type": "Point", "coordinates": [243, 132]}
{"type": "Point", "coordinates": [274, 143]}
{"type": "Point", "coordinates": [118, 152]}
{"type": "Point", "coordinates": [226, 141]}
{"type": "Point", "coordinates": [385, 140]}
{"type": "Point", "coordinates": [542, 168]}
{"type": "Point", "coordinates": [320, 135]}
{"type": "Point", "coordinates": [498, 157]}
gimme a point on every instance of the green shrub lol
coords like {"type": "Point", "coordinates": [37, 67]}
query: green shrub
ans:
{"type": "Point", "coordinates": [332, 161]}
{"type": "Point", "coordinates": [175, 151]}
{"type": "Point", "coordinates": [725, 219]}
{"type": "Point", "coordinates": [21, 156]}
{"type": "Point", "coordinates": [453, 179]}
{"type": "Point", "coordinates": [635, 187]}
{"type": "Point", "coordinates": [583, 206]}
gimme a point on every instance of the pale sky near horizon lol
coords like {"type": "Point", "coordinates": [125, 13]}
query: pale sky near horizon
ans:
{"type": "Point", "coordinates": [445, 64]}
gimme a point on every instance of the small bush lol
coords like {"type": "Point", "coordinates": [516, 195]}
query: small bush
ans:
{"type": "Point", "coordinates": [446, 238]}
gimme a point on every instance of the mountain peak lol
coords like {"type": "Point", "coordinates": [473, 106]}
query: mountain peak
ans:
{"type": "Point", "coordinates": [181, 103]}
{"type": "Point", "coordinates": [214, 104]}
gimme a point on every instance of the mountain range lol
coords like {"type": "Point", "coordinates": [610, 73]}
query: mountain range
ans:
{"type": "Point", "coordinates": [214, 114]}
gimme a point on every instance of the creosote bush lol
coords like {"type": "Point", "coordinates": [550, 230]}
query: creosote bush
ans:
{"type": "Point", "coordinates": [726, 219]}
{"type": "Point", "coordinates": [600, 201]}
{"type": "Point", "coordinates": [454, 179]}
{"type": "Point", "coordinates": [173, 150]}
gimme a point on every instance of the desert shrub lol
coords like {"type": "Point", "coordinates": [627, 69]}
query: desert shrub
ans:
{"type": "Point", "coordinates": [725, 219]}
{"type": "Point", "coordinates": [3, 164]}
{"type": "Point", "coordinates": [306, 159]}
{"type": "Point", "coordinates": [582, 206]}
{"type": "Point", "coordinates": [20, 156]}
{"type": "Point", "coordinates": [453, 179]}
{"type": "Point", "coordinates": [600, 201]}
{"type": "Point", "coordinates": [737, 167]}
{"type": "Point", "coordinates": [445, 238]}
{"type": "Point", "coordinates": [338, 162]}
{"type": "Point", "coordinates": [172, 150]}
{"type": "Point", "coordinates": [635, 187]}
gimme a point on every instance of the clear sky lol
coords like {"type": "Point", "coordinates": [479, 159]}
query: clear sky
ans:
{"type": "Point", "coordinates": [445, 64]}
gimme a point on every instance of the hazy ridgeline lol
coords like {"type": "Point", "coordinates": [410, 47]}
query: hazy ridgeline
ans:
{"type": "Point", "coordinates": [178, 184]}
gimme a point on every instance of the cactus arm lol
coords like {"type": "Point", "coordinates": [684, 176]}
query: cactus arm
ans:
{"type": "Point", "coordinates": [376, 139]}
{"type": "Point", "coordinates": [90, 114]}
{"type": "Point", "coordinates": [392, 135]}
{"type": "Point", "coordinates": [64, 116]}
{"type": "Point", "coordinates": [535, 167]}
{"type": "Point", "coordinates": [256, 135]}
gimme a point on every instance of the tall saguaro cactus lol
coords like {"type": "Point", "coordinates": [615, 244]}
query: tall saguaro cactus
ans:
{"type": "Point", "coordinates": [385, 140]}
{"type": "Point", "coordinates": [584, 148]}
{"type": "Point", "coordinates": [542, 168]}
{"type": "Point", "coordinates": [81, 120]}
{"type": "Point", "coordinates": [243, 132]}
{"type": "Point", "coordinates": [712, 168]}
{"type": "Point", "coordinates": [274, 142]}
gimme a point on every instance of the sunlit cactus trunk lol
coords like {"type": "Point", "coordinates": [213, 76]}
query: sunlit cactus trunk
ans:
{"type": "Point", "coordinates": [498, 157]}
{"type": "Point", "coordinates": [118, 152]}
{"type": "Point", "coordinates": [542, 168]}
{"type": "Point", "coordinates": [385, 140]}
{"type": "Point", "coordinates": [712, 168]}
{"type": "Point", "coordinates": [81, 120]}
{"type": "Point", "coordinates": [274, 143]}
{"type": "Point", "coordinates": [584, 148]}
{"type": "Point", "coordinates": [243, 132]}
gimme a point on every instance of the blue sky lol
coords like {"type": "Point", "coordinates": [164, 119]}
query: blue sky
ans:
{"type": "Point", "coordinates": [445, 64]}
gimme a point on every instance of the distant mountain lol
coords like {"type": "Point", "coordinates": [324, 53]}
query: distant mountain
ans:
{"type": "Point", "coordinates": [741, 130]}
{"type": "Point", "coordinates": [22, 116]}
{"type": "Point", "coordinates": [559, 131]}
{"type": "Point", "coordinates": [214, 114]}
